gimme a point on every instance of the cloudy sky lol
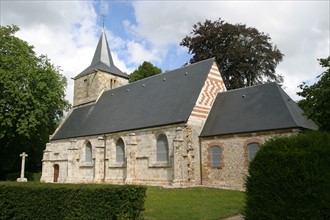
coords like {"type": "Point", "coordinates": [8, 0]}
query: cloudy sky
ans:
{"type": "Point", "coordinates": [68, 31]}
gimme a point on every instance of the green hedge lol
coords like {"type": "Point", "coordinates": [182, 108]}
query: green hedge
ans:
{"type": "Point", "coordinates": [70, 201]}
{"type": "Point", "coordinates": [290, 179]}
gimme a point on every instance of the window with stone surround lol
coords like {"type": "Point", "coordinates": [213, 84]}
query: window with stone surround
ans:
{"type": "Point", "coordinates": [216, 156]}
{"type": "Point", "coordinates": [162, 149]}
{"type": "Point", "coordinates": [120, 151]}
{"type": "Point", "coordinates": [88, 152]}
{"type": "Point", "coordinates": [253, 148]}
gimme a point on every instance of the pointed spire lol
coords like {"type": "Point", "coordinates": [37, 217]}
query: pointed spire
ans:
{"type": "Point", "coordinates": [102, 60]}
{"type": "Point", "coordinates": [102, 53]}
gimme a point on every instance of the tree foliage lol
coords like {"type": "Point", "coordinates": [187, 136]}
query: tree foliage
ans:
{"type": "Point", "coordinates": [31, 100]}
{"type": "Point", "coordinates": [145, 70]}
{"type": "Point", "coordinates": [244, 55]}
{"type": "Point", "coordinates": [316, 98]}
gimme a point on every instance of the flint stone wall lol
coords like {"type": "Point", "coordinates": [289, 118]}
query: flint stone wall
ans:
{"type": "Point", "coordinates": [234, 164]}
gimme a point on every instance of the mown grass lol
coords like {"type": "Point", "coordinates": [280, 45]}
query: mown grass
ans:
{"type": "Point", "coordinates": [192, 203]}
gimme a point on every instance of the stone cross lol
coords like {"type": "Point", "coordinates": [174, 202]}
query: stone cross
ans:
{"type": "Point", "coordinates": [22, 179]}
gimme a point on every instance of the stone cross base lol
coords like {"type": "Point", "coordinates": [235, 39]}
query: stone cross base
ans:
{"type": "Point", "coordinates": [21, 180]}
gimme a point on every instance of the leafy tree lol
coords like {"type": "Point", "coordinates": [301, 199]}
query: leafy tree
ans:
{"type": "Point", "coordinates": [145, 70]}
{"type": "Point", "coordinates": [316, 102]}
{"type": "Point", "coordinates": [244, 55]}
{"type": "Point", "coordinates": [31, 101]}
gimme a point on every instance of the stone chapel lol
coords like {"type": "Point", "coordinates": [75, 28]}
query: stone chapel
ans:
{"type": "Point", "coordinates": [179, 128]}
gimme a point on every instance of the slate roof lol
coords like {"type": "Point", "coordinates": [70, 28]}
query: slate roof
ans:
{"type": "Point", "coordinates": [162, 99]}
{"type": "Point", "coordinates": [257, 108]}
{"type": "Point", "coordinates": [102, 60]}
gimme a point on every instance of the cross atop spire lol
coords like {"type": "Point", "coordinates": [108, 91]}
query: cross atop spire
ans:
{"type": "Point", "coordinates": [103, 17]}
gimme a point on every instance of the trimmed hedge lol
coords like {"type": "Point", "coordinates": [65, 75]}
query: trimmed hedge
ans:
{"type": "Point", "coordinates": [70, 201]}
{"type": "Point", "coordinates": [290, 179]}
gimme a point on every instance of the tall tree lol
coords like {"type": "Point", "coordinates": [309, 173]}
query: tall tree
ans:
{"type": "Point", "coordinates": [32, 102]}
{"type": "Point", "coordinates": [244, 55]}
{"type": "Point", "coordinates": [145, 70]}
{"type": "Point", "coordinates": [316, 98]}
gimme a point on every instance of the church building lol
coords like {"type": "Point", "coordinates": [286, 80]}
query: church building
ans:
{"type": "Point", "coordinates": [179, 128]}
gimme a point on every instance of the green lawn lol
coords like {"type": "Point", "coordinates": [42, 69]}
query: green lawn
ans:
{"type": "Point", "coordinates": [192, 203]}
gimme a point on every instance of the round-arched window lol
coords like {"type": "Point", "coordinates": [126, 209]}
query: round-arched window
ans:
{"type": "Point", "coordinates": [162, 148]}
{"type": "Point", "coordinates": [88, 152]}
{"type": "Point", "coordinates": [120, 151]}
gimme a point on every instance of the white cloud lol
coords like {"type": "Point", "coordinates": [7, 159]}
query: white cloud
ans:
{"type": "Point", "coordinates": [137, 53]}
{"type": "Point", "coordinates": [66, 31]}
{"type": "Point", "coordinates": [164, 22]}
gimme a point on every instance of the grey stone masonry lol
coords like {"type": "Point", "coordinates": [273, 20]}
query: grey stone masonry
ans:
{"type": "Point", "coordinates": [87, 89]}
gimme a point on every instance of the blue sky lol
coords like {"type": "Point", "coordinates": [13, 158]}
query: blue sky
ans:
{"type": "Point", "coordinates": [68, 31]}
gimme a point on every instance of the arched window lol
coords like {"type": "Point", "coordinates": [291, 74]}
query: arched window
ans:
{"type": "Point", "coordinates": [88, 152]}
{"type": "Point", "coordinates": [162, 148]}
{"type": "Point", "coordinates": [120, 151]}
{"type": "Point", "coordinates": [253, 148]}
{"type": "Point", "coordinates": [216, 156]}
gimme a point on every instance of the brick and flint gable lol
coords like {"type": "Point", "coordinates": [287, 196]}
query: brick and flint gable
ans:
{"type": "Point", "coordinates": [212, 86]}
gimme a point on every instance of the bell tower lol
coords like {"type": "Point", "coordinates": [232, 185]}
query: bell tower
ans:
{"type": "Point", "coordinates": [101, 75]}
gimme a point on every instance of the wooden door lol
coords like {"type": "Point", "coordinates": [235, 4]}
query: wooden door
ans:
{"type": "Point", "coordinates": [56, 172]}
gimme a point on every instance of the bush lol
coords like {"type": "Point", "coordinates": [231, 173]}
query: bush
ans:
{"type": "Point", "coordinates": [290, 179]}
{"type": "Point", "coordinates": [66, 201]}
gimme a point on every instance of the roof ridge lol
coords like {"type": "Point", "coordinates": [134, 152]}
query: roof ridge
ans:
{"type": "Point", "coordinates": [295, 111]}
{"type": "Point", "coordinates": [158, 75]}
{"type": "Point", "coordinates": [192, 64]}
{"type": "Point", "coordinates": [283, 98]}
{"type": "Point", "coordinates": [248, 87]}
